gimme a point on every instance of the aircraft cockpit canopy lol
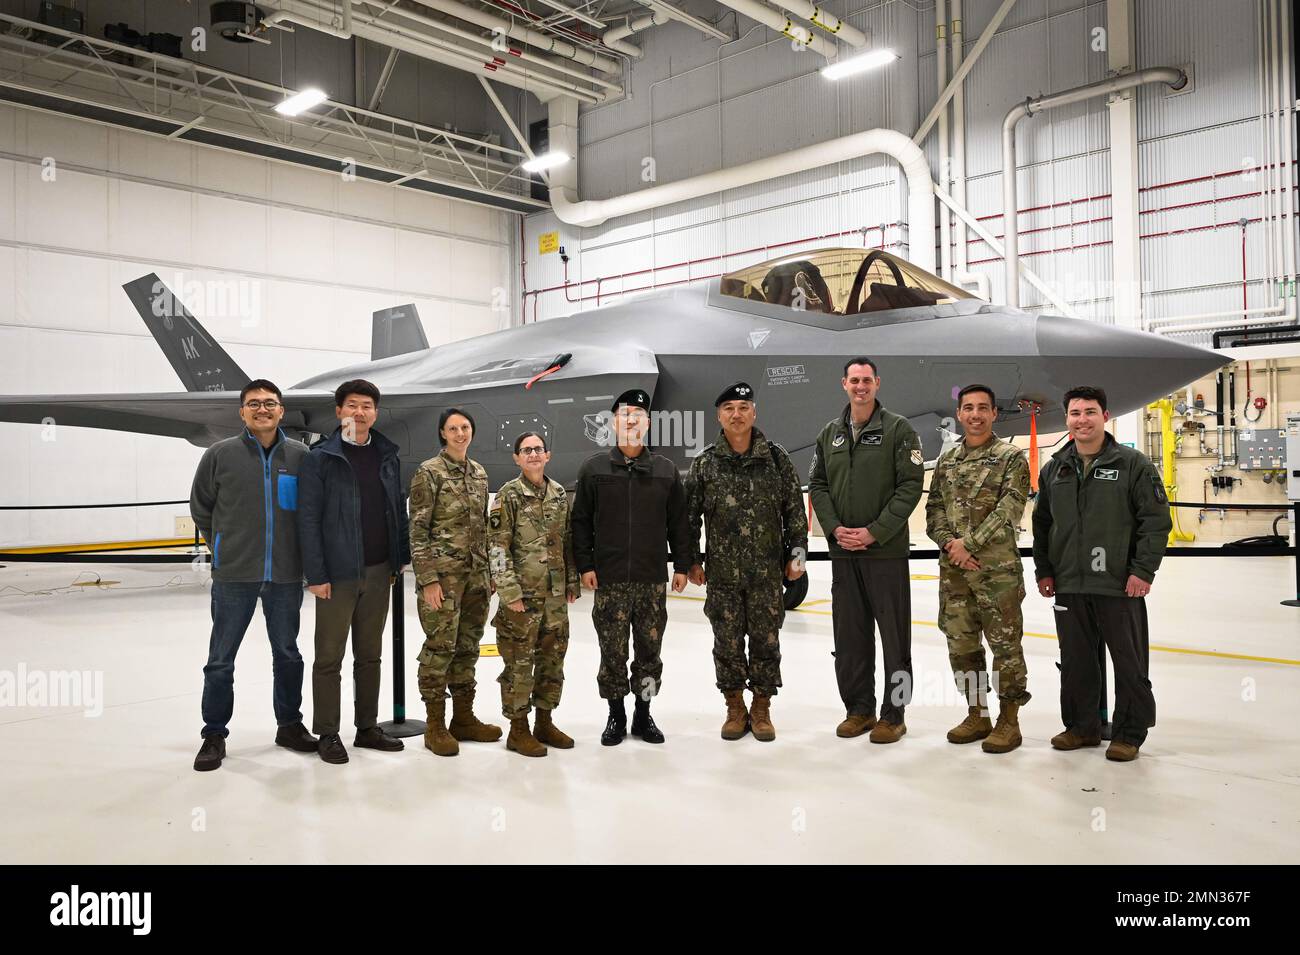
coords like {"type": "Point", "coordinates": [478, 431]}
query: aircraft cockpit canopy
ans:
{"type": "Point", "coordinates": [841, 282]}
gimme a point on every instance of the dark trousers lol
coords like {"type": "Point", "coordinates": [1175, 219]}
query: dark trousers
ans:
{"type": "Point", "coordinates": [233, 605]}
{"type": "Point", "coordinates": [1086, 622]}
{"type": "Point", "coordinates": [867, 593]}
{"type": "Point", "coordinates": [362, 606]}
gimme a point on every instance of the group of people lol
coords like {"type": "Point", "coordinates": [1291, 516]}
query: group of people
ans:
{"type": "Point", "coordinates": [275, 513]}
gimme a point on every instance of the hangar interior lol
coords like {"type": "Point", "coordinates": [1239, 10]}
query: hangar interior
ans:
{"type": "Point", "coordinates": [1151, 149]}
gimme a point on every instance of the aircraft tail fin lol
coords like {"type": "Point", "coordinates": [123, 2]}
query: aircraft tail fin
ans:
{"type": "Point", "coordinates": [199, 362]}
{"type": "Point", "coordinates": [396, 331]}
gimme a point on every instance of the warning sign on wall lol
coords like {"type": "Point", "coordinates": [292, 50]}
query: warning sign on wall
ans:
{"type": "Point", "coordinates": [548, 242]}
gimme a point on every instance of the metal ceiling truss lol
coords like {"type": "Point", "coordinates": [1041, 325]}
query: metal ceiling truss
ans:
{"type": "Point", "coordinates": [117, 85]}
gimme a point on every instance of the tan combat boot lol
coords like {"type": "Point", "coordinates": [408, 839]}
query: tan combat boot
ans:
{"type": "Point", "coordinates": [521, 740]}
{"type": "Point", "coordinates": [436, 736]}
{"type": "Point", "coordinates": [465, 726]}
{"type": "Point", "coordinates": [737, 723]}
{"type": "Point", "coordinates": [1071, 740]}
{"type": "Point", "coordinates": [886, 732]}
{"type": "Point", "coordinates": [760, 720]}
{"type": "Point", "coordinates": [975, 726]}
{"type": "Point", "coordinates": [1120, 752]}
{"type": "Point", "coordinates": [547, 733]}
{"type": "Point", "coordinates": [1006, 735]}
{"type": "Point", "coordinates": [854, 724]}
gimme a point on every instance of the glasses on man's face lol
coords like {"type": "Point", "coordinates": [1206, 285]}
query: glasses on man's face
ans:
{"type": "Point", "coordinates": [525, 452]}
{"type": "Point", "coordinates": [270, 404]}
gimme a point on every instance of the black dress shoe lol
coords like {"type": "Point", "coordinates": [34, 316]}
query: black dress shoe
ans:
{"type": "Point", "coordinates": [643, 724]}
{"type": "Point", "coordinates": [297, 738]}
{"type": "Point", "coordinates": [211, 753]}
{"type": "Point", "coordinates": [372, 737]}
{"type": "Point", "coordinates": [616, 728]}
{"type": "Point", "coordinates": [331, 748]}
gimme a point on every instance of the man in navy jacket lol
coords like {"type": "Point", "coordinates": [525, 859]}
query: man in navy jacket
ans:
{"type": "Point", "coordinates": [352, 525]}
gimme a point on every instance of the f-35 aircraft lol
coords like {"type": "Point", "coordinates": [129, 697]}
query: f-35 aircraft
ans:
{"type": "Point", "coordinates": [786, 326]}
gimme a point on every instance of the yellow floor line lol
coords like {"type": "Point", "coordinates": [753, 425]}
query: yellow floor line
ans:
{"type": "Point", "coordinates": [1051, 636]}
{"type": "Point", "coordinates": [106, 546]}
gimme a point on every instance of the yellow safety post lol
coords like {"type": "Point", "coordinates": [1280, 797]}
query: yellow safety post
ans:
{"type": "Point", "coordinates": [1168, 465]}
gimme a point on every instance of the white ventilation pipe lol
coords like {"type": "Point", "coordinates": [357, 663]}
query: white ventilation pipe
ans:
{"type": "Point", "coordinates": [783, 24]}
{"type": "Point", "coordinates": [941, 63]}
{"type": "Point", "coordinates": [824, 19]}
{"type": "Point", "coordinates": [1159, 74]}
{"type": "Point", "coordinates": [920, 187]}
{"type": "Point", "coordinates": [613, 38]}
{"type": "Point", "coordinates": [525, 34]}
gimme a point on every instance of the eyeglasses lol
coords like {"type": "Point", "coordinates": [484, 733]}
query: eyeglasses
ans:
{"type": "Point", "coordinates": [525, 452]}
{"type": "Point", "coordinates": [270, 404]}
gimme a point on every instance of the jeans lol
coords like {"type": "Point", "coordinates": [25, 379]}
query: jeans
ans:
{"type": "Point", "coordinates": [233, 605]}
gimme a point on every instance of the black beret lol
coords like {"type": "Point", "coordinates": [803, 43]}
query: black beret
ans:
{"type": "Point", "coordinates": [633, 396]}
{"type": "Point", "coordinates": [740, 391]}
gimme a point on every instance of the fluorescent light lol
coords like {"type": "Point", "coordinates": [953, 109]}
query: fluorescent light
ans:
{"type": "Point", "coordinates": [549, 160]}
{"type": "Point", "coordinates": [858, 64]}
{"type": "Point", "coordinates": [301, 101]}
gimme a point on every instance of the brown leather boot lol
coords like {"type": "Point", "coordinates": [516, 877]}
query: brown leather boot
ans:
{"type": "Point", "coordinates": [885, 732]}
{"type": "Point", "coordinates": [521, 740]}
{"type": "Point", "coordinates": [760, 719]}
{"type": "Point", "coordinates": [975, 726]}
{"type": "Point", "coordinates": [855, 724]}
{"type": "Point", "coordinates": [1006, 735]}
{"type": "Point", "coordinates": [436, 736]}
{"type": "Point", "coordinates": [465, 726]}
{"type": "Point", "coordinates": [1120, 752]}
{"type": "Point", "coordinates": [737, 723]}
{"type": "Point", "coordinates": [1072, 740]}
{"type": "Point", "coordinates": [547, 733]}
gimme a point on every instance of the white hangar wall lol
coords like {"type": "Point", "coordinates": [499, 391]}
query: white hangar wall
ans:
{"type": "Point", "coordinates": [302, 257]}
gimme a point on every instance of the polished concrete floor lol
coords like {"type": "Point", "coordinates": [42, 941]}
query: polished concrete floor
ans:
{"type": "Point", "coordinates": [1218, 781]}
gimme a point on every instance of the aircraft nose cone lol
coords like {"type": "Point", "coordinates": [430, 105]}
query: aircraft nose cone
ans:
{"type": "Point", "coordinates": [1133, 367]}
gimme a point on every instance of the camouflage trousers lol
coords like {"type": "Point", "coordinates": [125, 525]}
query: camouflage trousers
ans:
{"type": "Point", "coordinates": [756, 608]}
{"type": "Point", "coordinates": [532, 644]}
{"type": "Point", "coordinates": [642, 608]}
{"type": "Point", "coordinates": [451, 636]}
{"type": "Point", "coordinates": [987, 602]}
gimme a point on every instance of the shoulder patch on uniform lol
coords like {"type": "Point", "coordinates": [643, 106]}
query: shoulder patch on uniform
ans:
{"type": "Point", "coordinates": [917, 458]}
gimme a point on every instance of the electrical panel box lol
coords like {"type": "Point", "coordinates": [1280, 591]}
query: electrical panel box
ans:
{"type": "Point", "coordinates": [1262, 449]}
{"type": "Point", "coordinates": [1293, 456]}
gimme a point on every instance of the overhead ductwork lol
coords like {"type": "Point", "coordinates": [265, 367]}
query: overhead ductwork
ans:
{"type": "Point", "coordinates": [920, 185]}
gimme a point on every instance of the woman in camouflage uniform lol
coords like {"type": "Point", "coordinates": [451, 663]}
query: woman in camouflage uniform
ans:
{"type": "Point", "coordinates": [448, 501]}
{"type": "Point", "coordinates": [530, 554]}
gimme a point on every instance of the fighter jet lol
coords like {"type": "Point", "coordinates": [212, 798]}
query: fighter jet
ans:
{"type": "Point", "coordinates": [786, 326]}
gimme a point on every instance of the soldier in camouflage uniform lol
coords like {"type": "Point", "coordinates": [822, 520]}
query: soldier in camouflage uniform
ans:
{"type": "Point", "coordinates": [530, 553]}
{"type": "Point", "coordinates": [977, 497]}
{"type": "Point", "coordinates": [449, 496]}
{"type": "Point", "coordinates": [746, 493]}
{"type": "Point", "coordinates": [629, 507]}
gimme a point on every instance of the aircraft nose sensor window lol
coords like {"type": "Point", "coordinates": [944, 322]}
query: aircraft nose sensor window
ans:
{"type": "Point", "coordinates": [841, 282]}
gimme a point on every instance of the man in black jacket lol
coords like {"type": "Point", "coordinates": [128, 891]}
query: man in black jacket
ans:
{"type": "Point", "coordinates": [629, 506]}
{"type": "Point", "coordinates": [1101, 524]}
{"type": "Point", "coordinates": [352, 524]}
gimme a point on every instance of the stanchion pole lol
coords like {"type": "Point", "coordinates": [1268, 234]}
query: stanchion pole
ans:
{"type": "Point", "coordinates": [399, 725]}
{"type": "Point", "coordinates": [1295, 522]}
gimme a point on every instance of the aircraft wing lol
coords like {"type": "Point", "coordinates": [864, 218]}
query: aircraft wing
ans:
{"type": "Point", "coordinates": [200, 417]}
